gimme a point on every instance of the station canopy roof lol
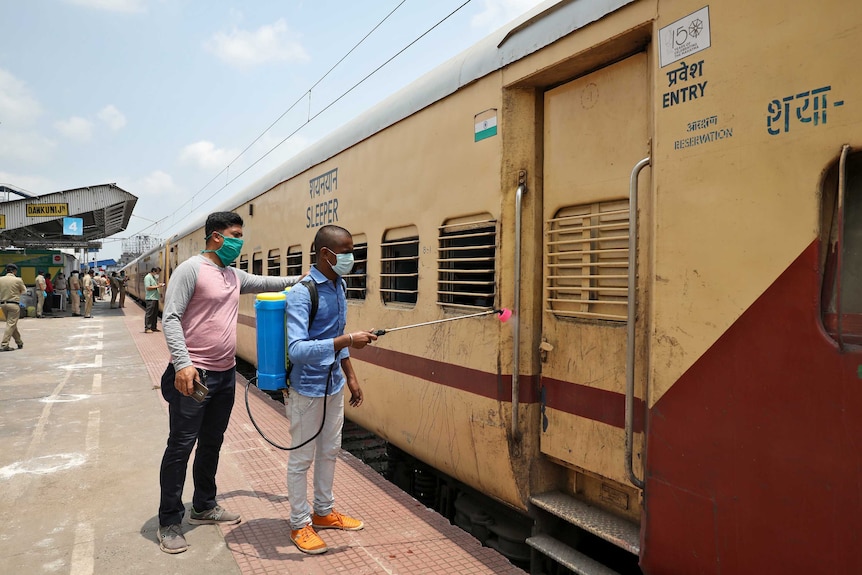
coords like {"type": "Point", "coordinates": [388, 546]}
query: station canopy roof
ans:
{"type": "Point", "coordinates": [72, 219]}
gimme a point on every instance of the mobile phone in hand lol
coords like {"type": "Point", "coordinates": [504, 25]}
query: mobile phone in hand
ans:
{"type": "Point", "coordinates": [200, 389]}
{"type": "Point", "coordinates": [200, 392]}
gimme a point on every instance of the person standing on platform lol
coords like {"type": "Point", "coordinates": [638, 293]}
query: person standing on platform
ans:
{"type": "Point", "coordinates": [200, 321]}
{"type": "Point", "coordinates": [123, 281]}
{"type": "Point", "coordinates": [41, 292]}
{"type": "Point", "coordinates": [102, 281]}
{"type": "Point", "coordinates": [60, 286]}
{"type": "Point", "coordinates": [321, 367]}
{"type": "Point", "coordinates": [49, 299]}
{"type": "Point", "coordinates": [152, 297]}
{"type": "Point", "coordinates": [11, 288]}
{"type": "Point", "coordinates": [75, 292]}
{"type": "Point", "coordinates": [89, 286]}
{"type": "Point", "coordinates": [115, 289]}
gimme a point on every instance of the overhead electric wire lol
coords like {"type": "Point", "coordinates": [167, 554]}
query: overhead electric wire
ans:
{"type": "Point", "coordinates": [332, 103]}
{"type": "Point", "coordinates": [311, 118]}
{"type": "Point", "coordinates": [300, 99]}
{"type": "Point", "coordinates": [291, 107]}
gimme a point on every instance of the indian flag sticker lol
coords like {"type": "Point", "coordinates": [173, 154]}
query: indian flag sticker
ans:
{"type": "Point", "coordinates": [486, 124]}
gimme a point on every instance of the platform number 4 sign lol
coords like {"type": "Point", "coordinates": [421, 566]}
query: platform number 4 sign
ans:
{"type": "Point", "coordinates": [73, 226]}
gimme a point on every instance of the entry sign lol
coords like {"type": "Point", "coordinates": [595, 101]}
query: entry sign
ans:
{"type": "Point", "coordinates": [73, 226]}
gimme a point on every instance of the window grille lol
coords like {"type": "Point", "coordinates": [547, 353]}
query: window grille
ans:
{"type": "Point", "coordinates": [273, 263]}
{"type": "Point", "coordinates": [587, 256]}
{"type": "Point", "coordinates": [466, 264]}
{"type": "Point", "coordinates": [357, 278]}
{"type": "Point", "coordinates": [243, 263]}
{"type": "Point", "coordinates": [257, 263]}
{"type": "Point", "coordinates": [399, 278]}
{"type": "Point", "coordinates": [293, 260]}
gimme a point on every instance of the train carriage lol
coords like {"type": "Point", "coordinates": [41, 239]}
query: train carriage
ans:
{"type": "Point", "coordinates": [666, 193]}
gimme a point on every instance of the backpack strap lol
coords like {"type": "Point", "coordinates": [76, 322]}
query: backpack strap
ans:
{"type": "Point", "coordinates": [311, 286]}
{"type": "Point", "coordinates": [315, 300]}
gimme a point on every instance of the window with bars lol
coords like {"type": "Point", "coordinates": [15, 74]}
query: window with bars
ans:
{"type": "Point", "coordinates": [399, 261]}
{"type": "Point", "coordinates": [466, 263]}
{"type": "Point", "coordinates": [257, 263]}
{"type": "Point", "coordinates": [587, 250]}
{"type": "Point", "coordinates": [357, 278]}
{"type": "Point", "coordinates": [243, 263]}
{"type": "Point", "coordinates": [293, 260]}
{"type": "Point", "coordinates": [273, 263]}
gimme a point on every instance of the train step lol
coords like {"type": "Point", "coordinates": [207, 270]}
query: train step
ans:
{"type": "Point", "coordinates": [605, 525]}
{"type": "Point", "coordinates": [569, 558]}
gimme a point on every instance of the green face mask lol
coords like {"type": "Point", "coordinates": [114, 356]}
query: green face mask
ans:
{"type": "Point", "coordinates": [229, 250]}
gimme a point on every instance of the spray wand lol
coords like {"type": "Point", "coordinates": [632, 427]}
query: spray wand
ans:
{"type": "Point", "coordinates": [504, 314]}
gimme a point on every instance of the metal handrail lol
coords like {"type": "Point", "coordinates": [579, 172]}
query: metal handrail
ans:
{"type": "Point", "coordinates": [516, 308]}
{"type": "Point", "coordinates": [632, 314]}
{"type": "Point", "coordinates": [842, 186]}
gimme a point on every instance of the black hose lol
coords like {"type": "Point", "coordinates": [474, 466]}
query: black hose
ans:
{"type": "Point", "coordinates": [271, 442]}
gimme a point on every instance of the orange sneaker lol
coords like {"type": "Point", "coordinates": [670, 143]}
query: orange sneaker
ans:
{"type": "Point", "coordinates": [307, 541]}
{"type": "Point", "coordinates": [336, 520]}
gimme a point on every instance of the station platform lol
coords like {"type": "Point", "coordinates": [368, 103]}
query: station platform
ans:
{"type": "Point", "coordinates": [83, 427]}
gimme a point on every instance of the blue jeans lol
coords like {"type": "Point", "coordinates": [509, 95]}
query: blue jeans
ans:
{"type": "Point", "coordinates": [190, 422]}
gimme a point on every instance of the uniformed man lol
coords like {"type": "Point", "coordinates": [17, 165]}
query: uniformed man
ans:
{"type": "Point", "coordinates": [89, 284]}
{"type": "Point", "coordinates": [75, 292]}
{"type": "Point", "coordinates": [115, 288]}
{"type": "Point", "coordinates": [124, 281]}
{"type": "Point", "coordinates": [11, 288]}
{"type": "Point", "coordinates": [41, 292]}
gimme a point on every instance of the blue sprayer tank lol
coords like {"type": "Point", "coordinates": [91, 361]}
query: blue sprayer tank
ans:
{"type": "Point", "coordinates": [269, 315]}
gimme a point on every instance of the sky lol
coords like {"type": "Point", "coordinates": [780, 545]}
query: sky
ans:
{"type": "Point", "coordinates": [161, 96]}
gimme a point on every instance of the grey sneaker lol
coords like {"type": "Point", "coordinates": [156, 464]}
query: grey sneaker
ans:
{"type": "Point", "coordinates": [171, 539]}
{"type": "Point", "coordinates": [218, 515]}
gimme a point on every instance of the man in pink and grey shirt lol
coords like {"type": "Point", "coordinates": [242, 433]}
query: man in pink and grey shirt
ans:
{"type": "Point", "coordinates": [199, 321]}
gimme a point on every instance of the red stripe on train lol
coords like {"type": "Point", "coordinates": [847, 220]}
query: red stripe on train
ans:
{"type": "Point", "coordinates": [596, 404]}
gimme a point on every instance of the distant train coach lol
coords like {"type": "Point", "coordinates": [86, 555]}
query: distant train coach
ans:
{"type": "Point", "coordinates": [668, 196]}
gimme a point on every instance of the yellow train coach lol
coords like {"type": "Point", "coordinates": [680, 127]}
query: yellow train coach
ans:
{"type": "Point", "coordinates": [664, 192]}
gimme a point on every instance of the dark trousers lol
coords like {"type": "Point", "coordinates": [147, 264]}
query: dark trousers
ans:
{"type": "Point", "coordinates": [191, 422]}
{"type": "Point", "coordinates": [151, 316]}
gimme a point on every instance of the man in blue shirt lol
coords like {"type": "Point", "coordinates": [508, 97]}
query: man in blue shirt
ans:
{"type": "Point", "coordinates": [321, 367]}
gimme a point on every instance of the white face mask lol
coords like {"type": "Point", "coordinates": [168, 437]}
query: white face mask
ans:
{"type": "Point", "coordinates": [343, 263]}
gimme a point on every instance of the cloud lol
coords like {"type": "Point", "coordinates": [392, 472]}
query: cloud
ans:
{"type": "Point", "coordinates": [499, 12]}
{"type": "Point", "coordinates": [25, 145]}
{"type": "Point", "coordinates": [154, 191]}
{"type": "Point", "coordinates": [76, 128]}
{"type": "Point", "coordinates": [245, 48]}
{"type": "Point", "coordinates": [17, 106]}
{"type": "Point", "coordinates": [155, 184]}
{"type": "Point", "coordinates": [112, 117]}
{"type": "Point", "coordinates": [128, 6]}
{"type": "Point", "coordinates": [206, 156]}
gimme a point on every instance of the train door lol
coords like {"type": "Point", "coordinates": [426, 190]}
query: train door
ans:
{"type": "Point", "coordinates": [595, 132]}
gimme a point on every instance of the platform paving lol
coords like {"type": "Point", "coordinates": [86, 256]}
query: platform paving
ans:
{"type": "Point", "coordinates": [83, 428]}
